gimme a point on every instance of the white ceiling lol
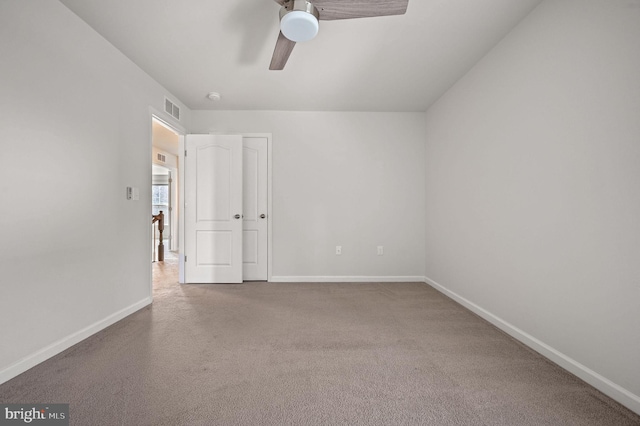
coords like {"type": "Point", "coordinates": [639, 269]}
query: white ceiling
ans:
{"type": "Point", "coordinates": [397, 63]}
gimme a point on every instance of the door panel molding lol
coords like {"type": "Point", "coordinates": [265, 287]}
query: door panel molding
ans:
{"type": "Point", "coordinates": [255, 156]}
{"type": "Point", "coordinates": [269, 213]}
{"type": "Point", "coordinates": [213, 209]}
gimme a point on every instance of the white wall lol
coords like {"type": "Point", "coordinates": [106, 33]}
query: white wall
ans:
{"type": "Point", "coordinates": [76, 129]}
{"type": "Point", "coordinates": [533, 187]}
{"type": "Point", "coordinates": [340, 178]}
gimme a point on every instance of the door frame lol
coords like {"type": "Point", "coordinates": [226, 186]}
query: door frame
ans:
{"type": "Point", "coordinates": [168, 121]}
{"type": "Point", "coordinates": [181, 161]}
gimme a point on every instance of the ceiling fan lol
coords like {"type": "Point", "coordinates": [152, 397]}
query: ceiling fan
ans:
{"type": "Point", "coordinates": [299, 20]}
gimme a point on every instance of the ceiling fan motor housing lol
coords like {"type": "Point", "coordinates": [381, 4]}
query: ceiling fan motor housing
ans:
{"type": "Point", "coordinates": [299, 20]}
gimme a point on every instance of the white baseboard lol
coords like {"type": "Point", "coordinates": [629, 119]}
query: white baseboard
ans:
{"type": "Point", "coordinates": [345, 279]}
{"type": "Point", "coordinates": [604, 385]}
{"type": "Point", "coordinates": [66, 342]}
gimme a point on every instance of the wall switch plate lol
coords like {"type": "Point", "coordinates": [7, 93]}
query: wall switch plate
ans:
{"type": "Point", "coordinates": [380, 250]}
{"type": "Point", "coordinates": [338, 250]}
{"type": "Point", "coordinates": [133, 193]}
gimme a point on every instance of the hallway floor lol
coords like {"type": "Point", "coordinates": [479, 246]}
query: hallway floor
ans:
{"type": "Point", "coordinates": [165, 274]}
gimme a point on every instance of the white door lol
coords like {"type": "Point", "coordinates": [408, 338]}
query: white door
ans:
{"type": "Point", "coordinates": [254, 239]}
{"type": "Point", "coordinates": [213, 209]}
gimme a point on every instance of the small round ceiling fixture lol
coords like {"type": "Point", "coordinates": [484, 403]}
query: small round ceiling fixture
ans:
{"type": "Point", "coordinates": [213, 96]}
{"type": "Point", "coordinates": [299, 21]}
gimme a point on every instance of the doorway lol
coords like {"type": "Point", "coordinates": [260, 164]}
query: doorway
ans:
{"type": "Point", "coordinates": [165, 195]}
{"type": "Point", "coordinates": [161, 204]}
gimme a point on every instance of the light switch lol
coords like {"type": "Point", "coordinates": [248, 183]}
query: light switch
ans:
{"type": "Point", "coordinates": [133, 193]}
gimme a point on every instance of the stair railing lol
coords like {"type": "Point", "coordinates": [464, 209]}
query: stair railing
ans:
{"type": "Point", "coordinates": [160, 219]}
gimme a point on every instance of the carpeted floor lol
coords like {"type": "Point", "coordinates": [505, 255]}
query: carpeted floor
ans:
{"type": "Point", "coordinates": [308, 354]}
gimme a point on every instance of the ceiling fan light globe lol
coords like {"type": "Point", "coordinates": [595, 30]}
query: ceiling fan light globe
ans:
{"type": "Point", "coordinates": [299, 26]}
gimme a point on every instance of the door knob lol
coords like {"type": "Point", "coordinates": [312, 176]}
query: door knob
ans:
{"type": "Point", "coordinates": [262, 216]}
{"type": "Point", "coordinates": [237, 216]}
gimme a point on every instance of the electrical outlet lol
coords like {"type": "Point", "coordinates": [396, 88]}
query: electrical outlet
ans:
{"type": "Point", "coordinates": [338, 250]}
{"type": "Point", "coordinates": [380, 250]}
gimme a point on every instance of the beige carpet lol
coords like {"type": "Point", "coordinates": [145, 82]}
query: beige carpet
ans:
{"type": "Point", "coordinates": [309, 354]}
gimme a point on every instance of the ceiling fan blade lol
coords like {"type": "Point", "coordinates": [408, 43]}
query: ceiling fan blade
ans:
{"type": "Point", "coordinates": [281, 53]}
{"type": "Point", "coordinates": [340, 9]}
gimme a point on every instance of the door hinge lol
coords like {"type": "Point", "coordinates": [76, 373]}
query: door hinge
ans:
{"type": "Point", "coordinates": [185, 258]}
{"type": "Point", "coordinates": [185, 152]}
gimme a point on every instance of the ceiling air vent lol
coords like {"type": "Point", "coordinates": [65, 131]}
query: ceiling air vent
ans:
{"type": "Point", "coordinates": [162, 158]}
{"type": "Point", "coordinates": [172, 109]}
